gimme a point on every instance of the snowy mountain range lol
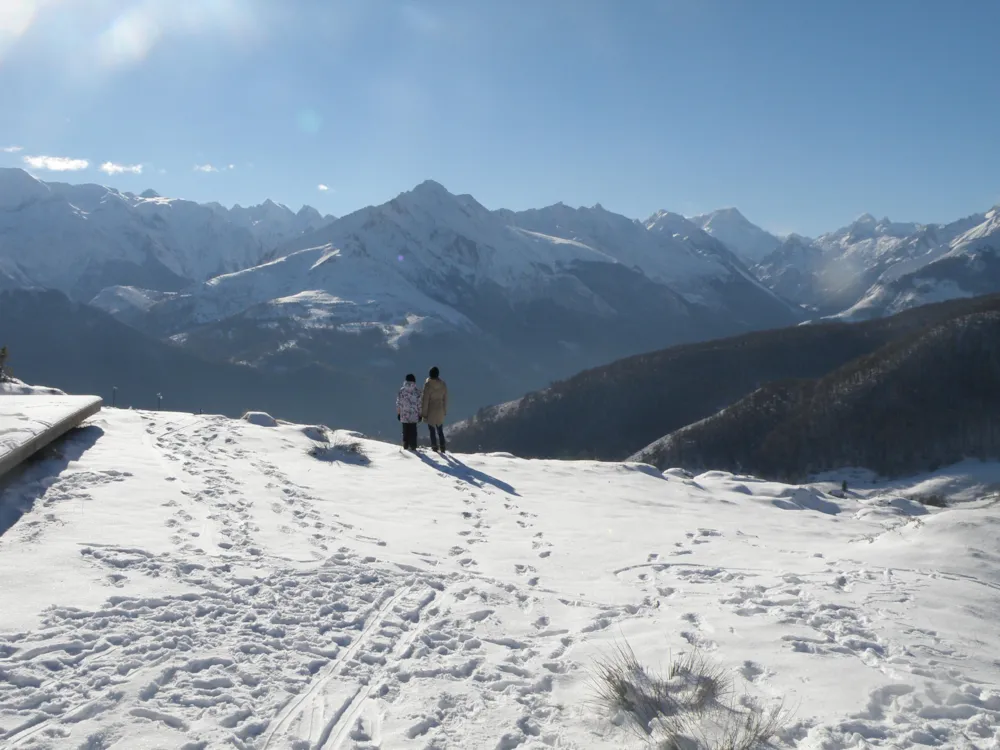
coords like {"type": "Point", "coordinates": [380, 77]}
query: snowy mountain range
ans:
{"type": "Point", "coordinates": [81, 239]}
{"type": "Point", "coordinates": [878, 267]}
{"type": "Point", "coordinates": [506, 301]}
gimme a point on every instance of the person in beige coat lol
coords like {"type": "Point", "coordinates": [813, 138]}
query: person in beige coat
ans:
{"type": "Point", "coordinates": [434, 408]}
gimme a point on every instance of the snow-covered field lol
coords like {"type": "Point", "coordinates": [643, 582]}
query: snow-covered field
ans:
{"type": "Point", "coordinates": [181, 581]}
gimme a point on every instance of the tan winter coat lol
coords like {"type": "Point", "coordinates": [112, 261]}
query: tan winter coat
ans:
{"type": "Point", "coordinates": [434, 403]}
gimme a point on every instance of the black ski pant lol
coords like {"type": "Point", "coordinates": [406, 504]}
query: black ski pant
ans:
{"type": "Point", "coordinates": [409, 435]}
{"type": "Point", "coordinates": [437, 436]}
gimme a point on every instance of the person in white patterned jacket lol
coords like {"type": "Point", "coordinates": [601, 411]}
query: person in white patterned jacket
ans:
{"type": "Point", "coordinates": [408, 404]}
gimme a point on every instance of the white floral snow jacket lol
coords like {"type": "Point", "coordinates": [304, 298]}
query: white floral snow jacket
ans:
{"type": "Point", "coordinates": [408, 402]}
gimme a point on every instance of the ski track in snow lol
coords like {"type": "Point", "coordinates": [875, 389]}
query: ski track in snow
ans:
{"type": "Point", "coordinates": [288, 623]}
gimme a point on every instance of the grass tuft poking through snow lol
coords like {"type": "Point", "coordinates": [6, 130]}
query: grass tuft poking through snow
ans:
{"type": "Point", "coordinates": [693, 707]}
{"type": "Point", "coordinates": [343, 449]}
{"type": "Point", "coordinates": [635, 695]}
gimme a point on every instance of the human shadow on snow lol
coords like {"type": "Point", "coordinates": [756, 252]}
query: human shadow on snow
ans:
{"type": "Point", "coordinates": [25, 485]}
{"type": "Point", "coordinates": [455, 468]}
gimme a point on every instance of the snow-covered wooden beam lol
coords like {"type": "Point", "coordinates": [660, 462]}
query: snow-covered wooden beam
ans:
{"type": "Point", "coordinates": [29, 423]}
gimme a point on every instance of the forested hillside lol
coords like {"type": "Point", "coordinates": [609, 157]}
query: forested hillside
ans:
{"type": "Point", "coordinates": [929, 400]}
{"type": "Point", "coordinates": [613, 411]}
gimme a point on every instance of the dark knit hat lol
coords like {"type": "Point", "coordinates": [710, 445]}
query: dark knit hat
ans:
{"type": "Point", "coordinates": [411, 378]}
{"type": "Point", "coordinates": [434, 373]}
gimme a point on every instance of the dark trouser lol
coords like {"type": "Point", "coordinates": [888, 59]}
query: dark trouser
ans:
{"type": "Point", "coordinates": [409, 435]}
{"type": "Point", "coordinates": [437, 436]}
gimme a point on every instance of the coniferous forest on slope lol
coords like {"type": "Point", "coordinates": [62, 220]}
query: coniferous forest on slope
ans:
{"type": "Point", "coordinates": [612, 412]}
{"type": "Point", "coordinates": [929, 400]}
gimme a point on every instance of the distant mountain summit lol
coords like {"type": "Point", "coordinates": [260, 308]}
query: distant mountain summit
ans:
{"type": "Point", "coordinates": [740, 235]}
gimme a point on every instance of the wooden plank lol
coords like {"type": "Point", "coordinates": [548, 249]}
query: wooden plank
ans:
{"type": "Point", "coordinates": [29, 423]}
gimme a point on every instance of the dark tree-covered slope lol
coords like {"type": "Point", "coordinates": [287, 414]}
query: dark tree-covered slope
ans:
{"type": "Point", "coordinates": [613, 411]}
{"type": "Point", "coordinates": [928, 400]}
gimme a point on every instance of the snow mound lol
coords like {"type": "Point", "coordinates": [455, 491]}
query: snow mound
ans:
{"type": "Point", "coordinates": [315, 432]}
{"type": "Point", "coordinates": [15, 387]}
{"type": "Point", "coordinates": [260, 418]}
{"type": "Point", "coordinates": [806, 499]}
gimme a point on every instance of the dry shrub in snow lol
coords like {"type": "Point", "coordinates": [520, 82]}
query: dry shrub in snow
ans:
{"type": "Point", "coordinates": [343, 449]}
{"type": "Point", "coordinates": [692, 707]}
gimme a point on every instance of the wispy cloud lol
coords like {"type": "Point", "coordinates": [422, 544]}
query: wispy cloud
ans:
{"type": "Point", "coordinates": [205, 168]}
{"type": "Point", "coordinates": [322, 188]}
{"type": "Point", "coordinates": [231, 166]}
{"type": "Point", "coordinates": [56, 163]}
{"type": "Point", "coordinates": [109, 167]}
{"type": "Point", "coordinates": [146, 23]}
{"type": "Point", "coordinates": [11, 149]}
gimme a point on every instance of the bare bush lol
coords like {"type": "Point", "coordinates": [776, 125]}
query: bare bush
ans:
{"type": "Point", "coordinates": [626, 687]}
{"type": "Point", "coordinates": [341, 450]}
{"type": "Point", "coordinates": [693, 707]}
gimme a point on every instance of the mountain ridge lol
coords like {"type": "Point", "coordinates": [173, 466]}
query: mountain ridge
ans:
{"type": "Point", "coordinates": [81, 238]}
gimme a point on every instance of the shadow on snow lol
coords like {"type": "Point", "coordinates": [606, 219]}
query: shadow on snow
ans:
{"type": "Point", "coordinates": [455, 468]}
{"type": "Point", "coordinates": [28, 483]}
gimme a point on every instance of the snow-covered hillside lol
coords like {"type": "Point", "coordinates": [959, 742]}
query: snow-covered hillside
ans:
{"type": "Point", "coordinates": [322, 287]}
{"type": "Point", "coordinates": [183, 581]}
{"type": "Point", "coordinates": [82, 238]}
{"type": "Point", "coordinates": [740, 235]}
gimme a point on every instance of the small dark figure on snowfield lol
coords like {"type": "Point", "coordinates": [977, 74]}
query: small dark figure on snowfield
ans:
{"type": "Point", "coordinates": [434, 408]}
{"type": "Point", "coordinates": [843, 486]}
{"type": "Point", "coordinates": [408, 411]}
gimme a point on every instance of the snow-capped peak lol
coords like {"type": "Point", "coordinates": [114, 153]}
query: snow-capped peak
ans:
{"type": "Point", "coordinates": [430, 189]}
{"type": "Point", "coordinates": [741, 236]}
{"type": "Point", "coordinates": [17, 187]}
{"type": "Point", "coordinates": [675, 224]}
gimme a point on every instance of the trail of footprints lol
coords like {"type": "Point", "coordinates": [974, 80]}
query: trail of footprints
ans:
{"type": "Point", "coordinates": [279, 658]}
{"type": "Point", "coordinates": [213, 489]}
{"type": "Point", "coordinates": [284, 659]}
{"type": "Point", "coordinates": [802, 602]}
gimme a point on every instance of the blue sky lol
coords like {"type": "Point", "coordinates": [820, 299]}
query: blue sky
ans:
{"type": "Point", "coordinates": [803, 114]}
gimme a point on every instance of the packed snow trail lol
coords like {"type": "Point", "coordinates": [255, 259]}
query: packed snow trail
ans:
{"type": "Point", "coordinates": [182, 581]}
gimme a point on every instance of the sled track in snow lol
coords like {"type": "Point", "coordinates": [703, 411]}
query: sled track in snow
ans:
{"type": "Point", "coordinates": [309, 706]}
{"type": "Point", "coordinates": [339, 729]}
